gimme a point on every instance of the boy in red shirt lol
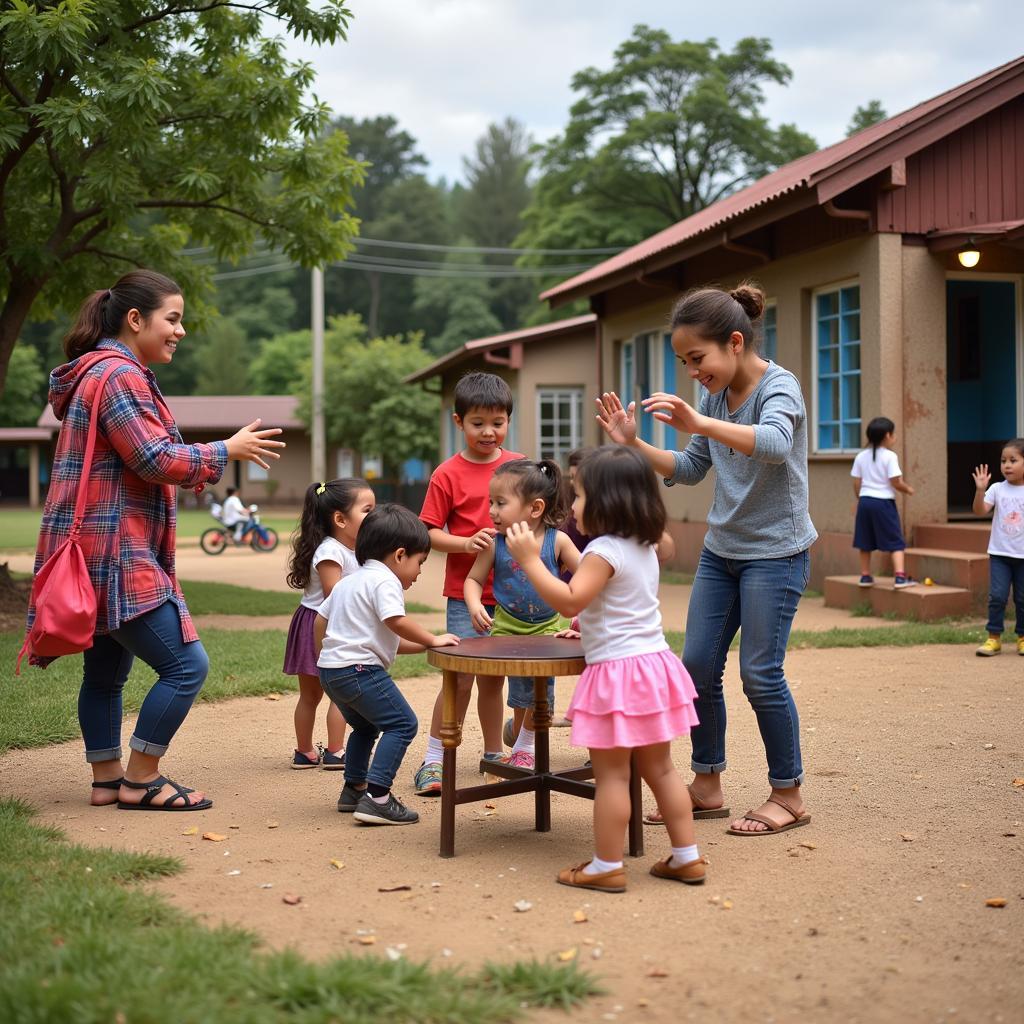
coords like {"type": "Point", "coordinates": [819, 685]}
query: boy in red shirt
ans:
{"type": "Point", "coordinates": [456, 511]}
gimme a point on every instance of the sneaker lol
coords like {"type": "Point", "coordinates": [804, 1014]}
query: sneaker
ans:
{"type": "Point", "coordinates": [427, 781]}
{"type": "Point", "coordinates": [393, 812]}
{"type": "Point", "coordinates": [689, 874]}
{"type": "Point", "coordinates": [521, 759]}
{"type": "Point", "coordinates": [508, 733]}
{"type": "Point", "coordinates": [332, 762]}
{"type": "Point", "coordinates": [301, 761]}
{"type": "Point", "coordinates": [991, 647]}
{"type": "Point", "coordinates": [349, 798]}
{"type": "Point", "coordinates": [1020, 645]}
{"type": "Point", "coordinates": [900, 582]}
{"type": "Point", "coordinates": [866, 581]}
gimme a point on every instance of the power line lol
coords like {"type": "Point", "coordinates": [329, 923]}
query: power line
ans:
{"type": "Point", "coordinates": [449, 272]}
{"type": "Point", "coordinates": [431, 247]}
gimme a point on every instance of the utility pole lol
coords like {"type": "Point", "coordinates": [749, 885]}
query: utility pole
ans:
{"type": "Point", "coordinates": [319, 452]}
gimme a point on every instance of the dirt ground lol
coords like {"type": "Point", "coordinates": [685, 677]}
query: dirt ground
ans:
{"type": "Point", "coordinates": [875, 912]}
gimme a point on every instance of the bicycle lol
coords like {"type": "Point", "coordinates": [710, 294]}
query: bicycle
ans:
{"type": "Point", "coordinates": [257, 536]}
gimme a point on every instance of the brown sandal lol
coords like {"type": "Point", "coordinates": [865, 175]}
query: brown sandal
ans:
{"type": "Point", "coordinates": [772, 827]}
{"type": "Point", "coordinates": [701, 812]}
{"type": "Point", "coordinates": [605, 881]}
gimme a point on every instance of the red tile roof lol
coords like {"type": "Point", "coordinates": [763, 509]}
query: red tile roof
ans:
{"type": "Point", "coordinates": [223, 413]}
{"type": "Point", "coordinates": [828, 172]}
{"type": "Point", "coordinates": [526, 334]}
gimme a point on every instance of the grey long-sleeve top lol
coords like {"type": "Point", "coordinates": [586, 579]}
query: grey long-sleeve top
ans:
{"type": "Point", "coordinates": [760, 505]}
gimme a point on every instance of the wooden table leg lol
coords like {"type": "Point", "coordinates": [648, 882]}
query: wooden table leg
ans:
{"type": "Point", "coordinates": [542, 758]}
{"type": "Point", "coordinates": [451, 737]}
{"type": "Point", "coordinates": [636, 811]}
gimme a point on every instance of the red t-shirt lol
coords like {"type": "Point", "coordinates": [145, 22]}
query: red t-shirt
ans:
{"type": "Point", "coordinates": [458, 497]}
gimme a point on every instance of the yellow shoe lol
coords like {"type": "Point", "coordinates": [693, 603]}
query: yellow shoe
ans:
{"type": "Point", "coordinates": [992, 646]}
{"type": "Point", "coordinates": [1020, 645]}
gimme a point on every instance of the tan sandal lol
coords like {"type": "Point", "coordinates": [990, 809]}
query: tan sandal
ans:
{"type": "Point", "coordinates": [691, 873]}
{"type": "Point", "coordinates": [701, 811]}
{"type": "Point", "coordinates": [604, 881]}
{"type": "Point", "coordinates": [773, 828]}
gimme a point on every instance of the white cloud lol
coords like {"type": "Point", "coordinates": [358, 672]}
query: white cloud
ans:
{"type": "Point", "coordinates": [447, 68]}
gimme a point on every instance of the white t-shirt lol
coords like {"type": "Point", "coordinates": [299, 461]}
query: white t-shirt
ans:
{"type": "Point", "coordinates": [233, 511]}
{"type": "Point", "coordinates": [1007, 503]}
{"type": "Point", "coordinates": [625, 618]}
{"type": "Point", "coordinates": [355, 614]}
{"type": "Point", "coordinates": [329, 550]}
{"type": "Point", "coordinates": [876, 473]}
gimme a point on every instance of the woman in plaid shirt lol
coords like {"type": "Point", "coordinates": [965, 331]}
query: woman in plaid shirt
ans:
{"type": "Point", "coordinates": [129, 530]}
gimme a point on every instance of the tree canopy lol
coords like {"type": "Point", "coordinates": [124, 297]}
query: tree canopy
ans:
{"type": "Point", "coordinates": [130, 129]}
{"type": "Point", "coordinates": [865, 116]}
{"type": "Point", "coordinates": [670, 128]}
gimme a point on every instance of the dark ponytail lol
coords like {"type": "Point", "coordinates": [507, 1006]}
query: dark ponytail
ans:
{"type": "Point", "coordinates": [102, 314]}
{"type": "Point", "coordinates": [542, 479]}
{"type": "Point", "coordinates": [716, 314]}
{"type": "Point", "coordinates": [322, 501]}
{"type": "Point", "coordinates": [876, 431]}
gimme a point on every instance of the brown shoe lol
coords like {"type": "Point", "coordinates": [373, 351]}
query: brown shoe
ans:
{"type": "Point", "coordinates": [605, 881]}
{"type": "Point", "coordinates": [691, 873]}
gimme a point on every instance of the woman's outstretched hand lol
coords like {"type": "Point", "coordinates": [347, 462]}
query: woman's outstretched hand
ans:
{"type": "Point", "coordinates": [671, 409]}
{"type": "Point", "coordinates": [251, 444]}
{"type": "Point", "coordinates": [618, 423]}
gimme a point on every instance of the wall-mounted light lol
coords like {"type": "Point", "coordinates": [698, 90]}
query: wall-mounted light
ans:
{"type": "Point", "coordinates": [968, 255]}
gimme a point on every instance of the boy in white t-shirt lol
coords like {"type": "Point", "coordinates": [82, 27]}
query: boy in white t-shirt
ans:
{"type": "Point", "coordinates": [876, 479]}
{"type": "Point", "coordinates": [359, 629]}
{"type": "Point", "coordinates": [1006, 543]}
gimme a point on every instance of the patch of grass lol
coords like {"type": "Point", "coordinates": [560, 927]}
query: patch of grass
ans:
{"type": "Point", "coordinates": [38, 709]}
{"type": "Point", "coordinates": [813, 593]}
{"type": "Point", "coordinates": [676, 578]}
{"type": "Point", "coordinates": [79, 942]}
{"type": "Point", "coordinates": [863, 610]}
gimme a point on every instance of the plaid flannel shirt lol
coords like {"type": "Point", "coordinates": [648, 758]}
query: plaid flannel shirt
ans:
{"type": "Point", "coordinates": [128, 535]}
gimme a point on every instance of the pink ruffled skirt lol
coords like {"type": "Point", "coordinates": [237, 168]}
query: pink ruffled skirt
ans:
{"type": "Point", "coordinates": [632, 702]}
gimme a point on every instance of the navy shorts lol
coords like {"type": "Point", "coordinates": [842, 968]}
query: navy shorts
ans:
{"type": "Point", "coordinates": [878, 526]}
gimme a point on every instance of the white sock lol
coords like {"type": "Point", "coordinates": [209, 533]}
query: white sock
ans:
{"type": "Point", "coordinates": [384, 799]}
{"type": "Point", "coordinates": [525, 741]}
{"type": "Point", "coordinates": [435, 752]}
{"type": "Point", "coordinates": [598, 866]}
{"type": "Point", "coordinates": [683, 855]}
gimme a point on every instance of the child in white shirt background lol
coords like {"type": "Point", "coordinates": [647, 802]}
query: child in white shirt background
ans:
{"type": "Point", "coordinates": [876, 479]}
{"type": "Point", "coordinates": [1006, 543]}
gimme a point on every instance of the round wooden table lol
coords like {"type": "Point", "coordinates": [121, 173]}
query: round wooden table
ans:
{"type": "Point", "coordinates": [539, 657]}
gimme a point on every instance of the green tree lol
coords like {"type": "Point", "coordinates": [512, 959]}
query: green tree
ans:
{"type": "Point", "coordinates": [669, 129]}
{"type": "Point", "coordinates": [366, 406]}
{"type": "Point", "coordinates": [24, 398]}
{"type": "Point", "coordinates": [279, 367]}
{"type": "Point", "coordinates": [222, 359]}
{"type": "Point", "coordinates": [130, 128]}
{"type": "Point", "coordinates": [865, 116]}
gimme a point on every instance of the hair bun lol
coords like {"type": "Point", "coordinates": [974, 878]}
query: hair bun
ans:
{"type": "Point", "coordinates": [751, 299]}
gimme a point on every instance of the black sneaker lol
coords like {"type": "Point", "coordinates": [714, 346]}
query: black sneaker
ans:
{"type": "Point", "coordinates": [349, 798]}
{"type": "Point", "coordinates": [900, 582]}
{"type": "Point", "coordinates": [393, 812]}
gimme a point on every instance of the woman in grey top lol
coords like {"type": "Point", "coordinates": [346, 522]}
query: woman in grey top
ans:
{"type": "Point", "coordinates": [752, 428]}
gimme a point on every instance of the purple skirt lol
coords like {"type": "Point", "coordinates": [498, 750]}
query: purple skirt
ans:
{"type": "Point", "coordinates": [300, 651]}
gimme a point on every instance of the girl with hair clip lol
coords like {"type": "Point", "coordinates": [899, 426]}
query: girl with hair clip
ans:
{"type": "Point", "coordinates": [128, 535]}
{"type": "Point", "coordinates": [751, 428]}
{"type": "Point", "coordinates": [522, 492]}
{"type": "Point", "coordinates": [323, 551]}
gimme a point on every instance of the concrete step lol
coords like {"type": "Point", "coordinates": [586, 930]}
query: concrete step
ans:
{"type": "Point", "coordinates": [971, 537]}
{"type": "Point", "coordinates": [966, 569]}
{"type": "Point", "coordinates": [920, 603]}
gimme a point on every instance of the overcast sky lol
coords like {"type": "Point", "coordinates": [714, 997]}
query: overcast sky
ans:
{"type": "Point", "coordinates": [447, 68]}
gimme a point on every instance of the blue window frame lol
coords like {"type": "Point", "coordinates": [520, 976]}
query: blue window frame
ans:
{"type": "Point", "coordinates": [669, 361]}
{"type": "Point", "coordinates": [837, 369]}
{"type": "Point", "coordinates": [771, 338]}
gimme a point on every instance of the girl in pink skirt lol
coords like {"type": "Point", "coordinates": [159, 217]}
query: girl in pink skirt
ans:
{"type": "Point", "coordinates": [634, 694]}
{"type": "Point", "coordinates": [323, 550]}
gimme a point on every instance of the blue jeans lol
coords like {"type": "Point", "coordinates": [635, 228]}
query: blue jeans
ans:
{"type": "Point", "coordinates": [520, 688]}
{"type": "Point", "coordinates": [181, 670]}
{"type": "Point", "coordinates": [761, 595]}
{"type": "Point", "coordinates": [1004, 572]}
{"type": "Point", "coordinates": [374, 707]}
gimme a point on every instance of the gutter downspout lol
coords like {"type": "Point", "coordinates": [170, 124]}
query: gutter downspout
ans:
{"type": "Point", "coordinates": [840, 214]}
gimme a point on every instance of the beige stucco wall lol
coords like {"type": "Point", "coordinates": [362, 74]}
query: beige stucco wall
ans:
{"type": "Point", "coordinates": [875, 262]}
